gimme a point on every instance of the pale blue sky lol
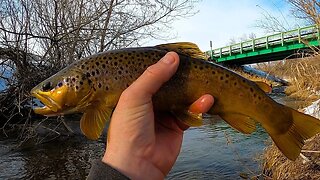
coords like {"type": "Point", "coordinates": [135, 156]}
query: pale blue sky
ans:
{"type": "Point", "coordinates": [221, 20]}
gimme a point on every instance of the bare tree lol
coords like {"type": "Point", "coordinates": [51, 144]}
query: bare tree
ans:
{"type": "Point", "coordinates": [271, 23]}
{"type": "Point", "coordinates": [308, 10]}
{"type": "Point", "coordinates": [39, 37]}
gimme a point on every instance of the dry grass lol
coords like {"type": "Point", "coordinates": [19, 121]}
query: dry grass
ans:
{"type": "Point", "coordinates": [303, 75]}
{"type": "Point", "coordinates": [277, 166]}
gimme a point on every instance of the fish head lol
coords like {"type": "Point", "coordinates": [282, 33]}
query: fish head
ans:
{"type": "Point", "coordinates": [62, 93]}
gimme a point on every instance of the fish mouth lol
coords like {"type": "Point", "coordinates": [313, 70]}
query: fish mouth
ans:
{"type": "Point", "coordinates": [50, 108]}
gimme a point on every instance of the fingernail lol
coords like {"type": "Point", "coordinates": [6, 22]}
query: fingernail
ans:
{"type": "Point", "coordinates": [168, 59]}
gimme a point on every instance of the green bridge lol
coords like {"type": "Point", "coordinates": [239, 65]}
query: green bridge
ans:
{"type": "Point", "coordinates": [269, 48]}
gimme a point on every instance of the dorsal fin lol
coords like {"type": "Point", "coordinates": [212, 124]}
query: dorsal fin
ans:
{"type": "Point", "coordinates": [185, 48]}
{"type": "Point", "coordinates": [264, 86]}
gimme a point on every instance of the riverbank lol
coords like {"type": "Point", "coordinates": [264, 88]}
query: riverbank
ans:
{"type": "Point", "coordinates": [304, 78]}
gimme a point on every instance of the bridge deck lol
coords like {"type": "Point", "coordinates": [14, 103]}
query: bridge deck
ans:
{"type": "Point", "coordinates": [269, 48]}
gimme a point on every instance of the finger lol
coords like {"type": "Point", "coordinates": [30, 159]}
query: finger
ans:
{"type": "Point", "coordinates": [154, 76]}
{"type": "Point", "coordinates": [202, 105]}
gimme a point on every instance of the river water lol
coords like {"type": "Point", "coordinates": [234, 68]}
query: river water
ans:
{"type": "Point", "coordinates": [213, 151]}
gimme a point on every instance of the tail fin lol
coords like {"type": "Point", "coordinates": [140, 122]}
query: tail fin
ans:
{"type": "Point", "coordinates": [303, 127]}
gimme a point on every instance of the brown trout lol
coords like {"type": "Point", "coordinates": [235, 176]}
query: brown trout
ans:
{"type": "Point", "coordinates": [94, 84]}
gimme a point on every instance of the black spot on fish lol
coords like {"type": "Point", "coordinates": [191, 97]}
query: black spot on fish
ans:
{"type": "Point", "coordinates": [126, 57]}
{"type": "Point", "coordinates": [115, 63]}
{"type": "Point", "coordinates": [196, 66]}
{"type": "Point", "coordinates": [130, 76]}
{"type": "Point", "coordinates": [77, 76]}
{"type": "Point", "coordinates": [92, 66]}
{"type": "Point", "coordinates": [60, 84]}
{"type": "Point", "coordinates": [235, 83]}
{"type": "Point", "coordinates": [103, 66]}
{"type": "Point", "coordinates": [254, 95]}
{"type": "Point", "coordinates": [119, 72]}
{"type": "Point", "coordinates": [104, 57]}
{"type": "Point", "coordinates": [107, 88]}
{"type": "Point", "coordinates": [77, 87]}
{"type": "Point", "coordinates": [67, 80]}
{"type": "Point", "coordinates": [221, 78]}
{"type": "Point", "coordinates": [93, 73]}
{"type": "Point", "coordinates": [128, 85]}
{"type": "Point", "coordinates": [97, 63]}
{"type": "Point", "coordinates": [81, 82]}
{"type": "Point", "coordinates": [88, 68]}
{"type": "Point", "coordinates": [82, 66]}
{"type": "Point", "coordinates": [88, 74]}
{"type": "Point", "coordinates": [127, 72]}
{"type": "Point", "coordinates": [73, 79]}
{"type": "Point", "coordinates": [115, 78]}
{"type": "Point", "coordinates": [121, 68]}
{"type": "Point", "coordinates": [259, 97]}
{"type": "Point", "coordinates": [110, 57]}
{"type": "Point", "coordinates": [97, 72]}
{"type": "Point", "coordinates": [213, 72]}
{"type": "Point", "coordinates": [121, 55]}
{"type": "Point", "coordinates": [99, 85]}
{"type": "Point", "coordinates": [226, 81]}
{"type": "Point", "coordinates": [89, 81]}
{"type": "Point", "coordinates": [227, 75]}
{"type": "Point", "coordinates": [243, 80]}
{"type": "Point", "coordinates": [251, 89]}
{"type": "Point", "coordinates": [115, 57]}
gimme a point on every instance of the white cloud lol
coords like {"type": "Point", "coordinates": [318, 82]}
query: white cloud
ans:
{"type": "Point", "coordinates": [220, 21]}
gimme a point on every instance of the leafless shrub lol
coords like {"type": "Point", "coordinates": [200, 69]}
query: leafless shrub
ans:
{"type": "Point", "coordinates": [39, 37]}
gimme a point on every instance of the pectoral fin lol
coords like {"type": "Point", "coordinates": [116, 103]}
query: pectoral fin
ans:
{"type": "Point", "coordinates": [94, 120]}
{"type": "Point", "coordinates": [240, 122]}
{"type": "Point", "coordinates": [189, 118]}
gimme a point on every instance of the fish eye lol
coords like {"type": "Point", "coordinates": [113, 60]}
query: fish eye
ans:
{"type": "Point", "coordinates": [47, 86]}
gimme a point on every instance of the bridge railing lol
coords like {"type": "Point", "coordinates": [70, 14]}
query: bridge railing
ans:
{"type": "Point", "coordinates": [300, 35]}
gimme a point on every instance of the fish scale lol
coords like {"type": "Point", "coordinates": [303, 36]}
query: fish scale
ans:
{"type": "Point", "coordinates": [93, 86]}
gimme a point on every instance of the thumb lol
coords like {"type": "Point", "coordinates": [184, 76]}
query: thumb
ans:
{"type": "Point", "coordinates": [155, 76]}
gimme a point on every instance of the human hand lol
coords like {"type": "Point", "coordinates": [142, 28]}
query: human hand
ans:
{"type": "Point", "coordinates": [142, 144]}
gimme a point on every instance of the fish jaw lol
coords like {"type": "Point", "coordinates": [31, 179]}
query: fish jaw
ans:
{"type": "Point", "coordinates": [50, 108]}
{"type": "Point", "coordinates": [46, 111]}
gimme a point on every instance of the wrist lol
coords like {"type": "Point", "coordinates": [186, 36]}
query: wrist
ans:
{"type": "Point", "coordinates": [132, 166]}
